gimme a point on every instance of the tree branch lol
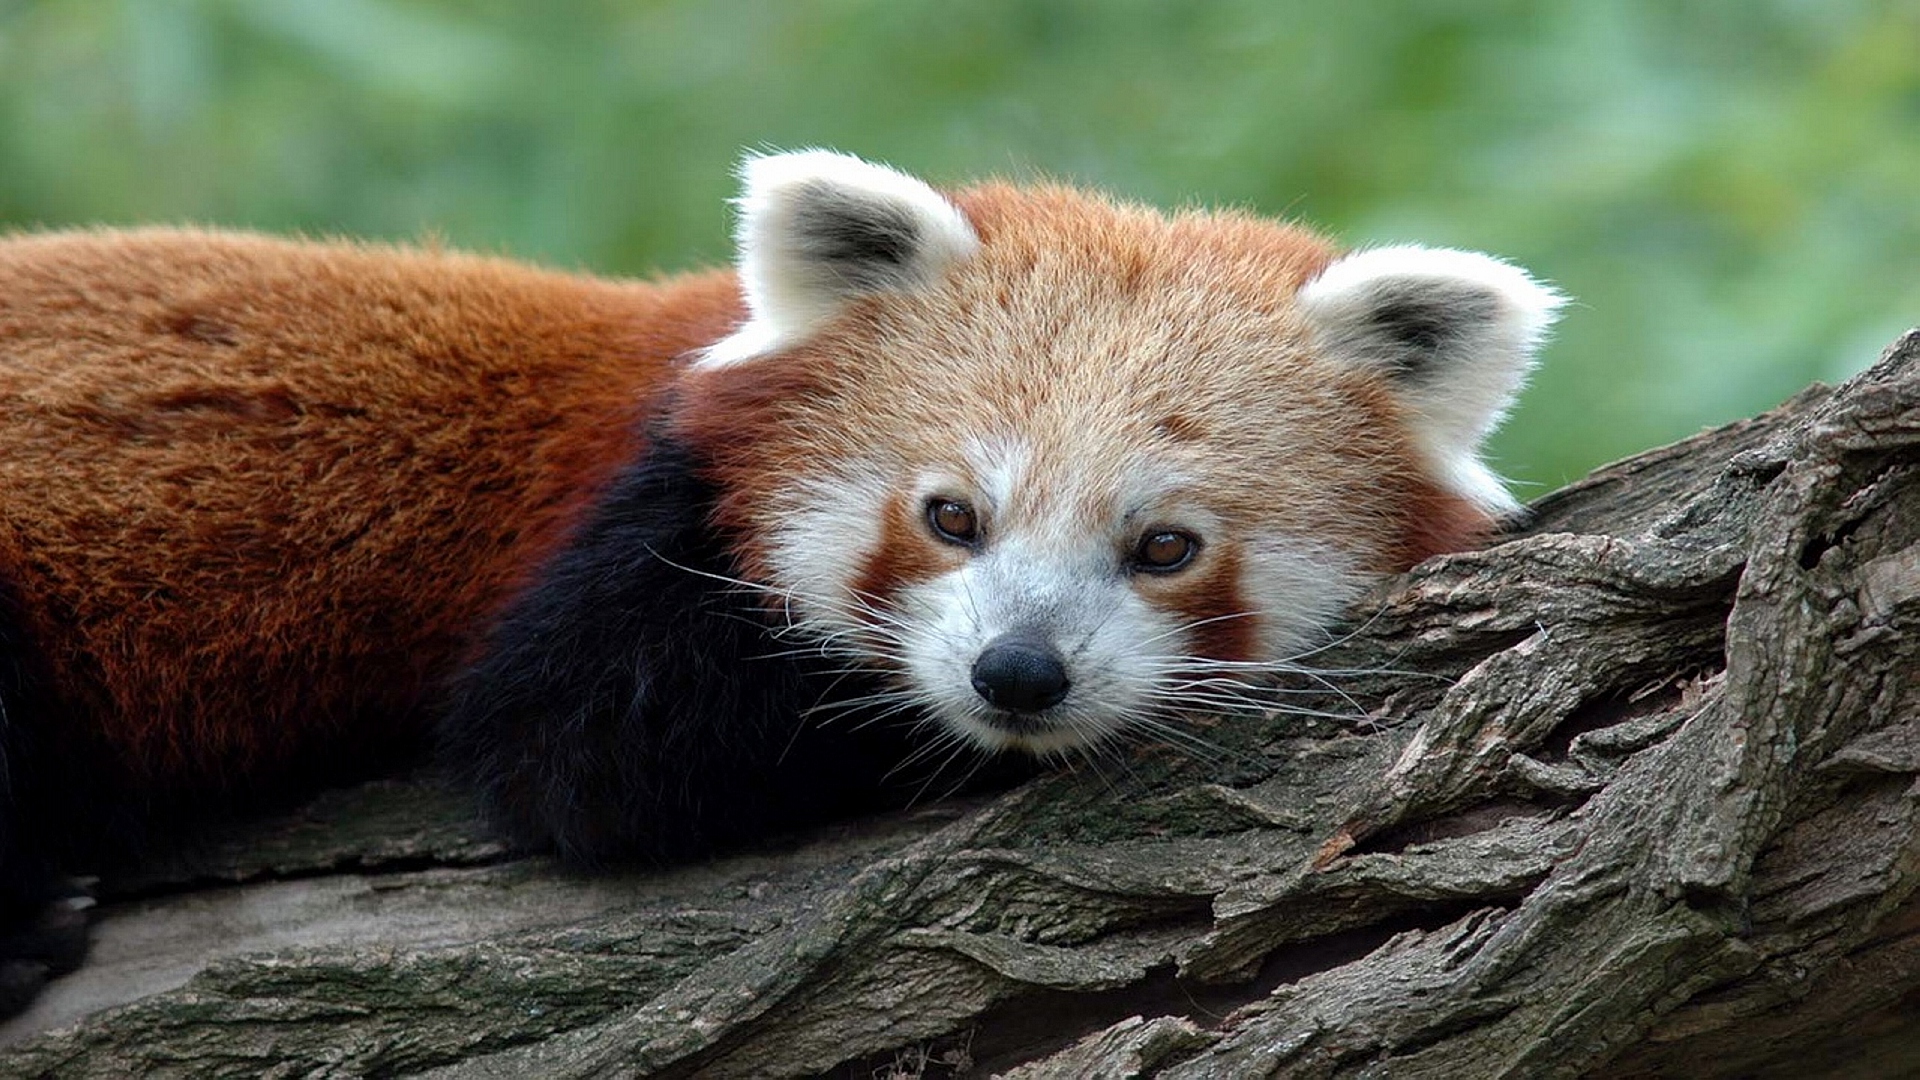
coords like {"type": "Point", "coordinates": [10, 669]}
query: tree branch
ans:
{"type": "Point", "coordinates": [1629, 794]}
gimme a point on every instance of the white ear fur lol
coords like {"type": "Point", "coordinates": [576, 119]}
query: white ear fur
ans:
{"type": "Point", "coordinates": [1455, 331]}
{"type": "Point", "coordinates": [818, 229]}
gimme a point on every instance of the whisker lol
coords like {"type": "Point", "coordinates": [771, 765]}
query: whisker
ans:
{"type": "Point", "coordinates": [833, 709]}
{"type": "Point", "coordinates": [890, 712]}
{"type": "Point", "coordinates": [1086, 639]}
{"type": "Point", "coordinates": [1226, 707]}
{"type": "Point", "coordinates": [943, 737]}
{"type": "Point", "coordinates": [868, 618]}
{"type": "Point", "coordinates": [1194, 624]}
{"type": "Point", "coordinates": [979, 761]}
{"type": "Point", "coordinates": [973, 609]}
{"type": "Point", "coordinates": [961, 743]}
{"type": "Point", "coordinates": [1342, 639]}
{"type": "Point", "coordinates": [1224, 682]}
{"type": "Point", "coordinates": [1285, 667]}
{"type": "Point", "coordinates": [1091, 754]}
{"type": "Point", "coordinates": [1180, 739]}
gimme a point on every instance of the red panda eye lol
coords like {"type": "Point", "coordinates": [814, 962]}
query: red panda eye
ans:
{"type": "Point", "coordinates": [1165, 550]}
{"type": "Point", "coordinates": [953, 521]}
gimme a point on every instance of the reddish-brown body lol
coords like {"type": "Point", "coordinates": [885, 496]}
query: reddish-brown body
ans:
{"type": "Point", "coordinates": [1012, 468]}
{"type": "Point", "coordinates": [256, 496]}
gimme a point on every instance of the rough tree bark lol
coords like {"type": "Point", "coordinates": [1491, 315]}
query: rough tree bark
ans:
{"type": "Point", "coordinates": [1629, 794]}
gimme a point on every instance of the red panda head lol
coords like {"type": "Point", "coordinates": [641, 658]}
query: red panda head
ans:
{"type": "Point", "coordinates": [1059, 464]}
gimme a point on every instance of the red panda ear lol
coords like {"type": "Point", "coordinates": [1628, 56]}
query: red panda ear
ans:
{"type": "Point", "coordinates": [818, 229]}
{"type": "Point", "coordinates": [1455, 333]}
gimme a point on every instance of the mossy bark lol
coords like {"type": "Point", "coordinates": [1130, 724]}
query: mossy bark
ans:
{"type": "Point", "coordinates": [1631, 793]}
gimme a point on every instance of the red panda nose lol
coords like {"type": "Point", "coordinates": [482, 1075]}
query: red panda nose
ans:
{"type": "Point", "coordinates": [1020, 674]}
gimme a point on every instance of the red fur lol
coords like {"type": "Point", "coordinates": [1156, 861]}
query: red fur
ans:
{"type": "Point", "coordinates": [269, 507]}
{"type": "Point", "coordinates": [1436, 521]}
{"type": "Point", "coordinates": [905, 553]}
{"type": "Point", "coordinates": [1217, 611]}
{"type": "Point", "coordinates": [259, 495]}
{"type": "Point", "coordinates": [260, 491]}
{"type": "Point", "coordinates": [1054, 255]}
{"type": "Point", "coordinates": [736, 415]}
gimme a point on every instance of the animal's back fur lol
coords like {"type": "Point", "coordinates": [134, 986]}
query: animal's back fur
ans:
{"type": "Point", "coordinates": [224, 456]}
{"type": "Point", "coordinates": [1015, 468]}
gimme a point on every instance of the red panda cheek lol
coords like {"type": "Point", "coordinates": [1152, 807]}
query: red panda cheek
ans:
{"type": "Point", "coordinates": [905, 555]}
{"type": "Point", "coordinates": [1438, 521]}
{"type": "Point", "coordinates": [1221, 624]}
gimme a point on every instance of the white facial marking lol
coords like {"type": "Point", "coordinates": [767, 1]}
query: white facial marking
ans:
{"type": "Point", "coordinates": [1046, 376]}
{"type": "Point", "coordinates": [828, 521]}
{"type": "Point", "coordinates": [1298, 587]}
{"type": "Point", "coordinates": [1046, 572]}
{"type": "Point", "coordinates": [998, 465]}
{"type": "Point", "coordinates": [1101, 630]}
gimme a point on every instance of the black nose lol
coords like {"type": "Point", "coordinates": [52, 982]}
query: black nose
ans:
{"type": "Point", "coordinates": [1020, 674]}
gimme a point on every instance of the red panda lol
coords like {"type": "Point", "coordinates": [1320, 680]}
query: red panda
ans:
{"type": "Point", "coordinates": [1020, 466]}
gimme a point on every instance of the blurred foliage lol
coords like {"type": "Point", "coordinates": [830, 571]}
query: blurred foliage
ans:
{"type": "Point", "coordinates": [1731, 189]}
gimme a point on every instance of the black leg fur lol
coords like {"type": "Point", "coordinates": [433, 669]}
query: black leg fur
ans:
{"type": "Point", "coordinates": [627, 708]}
{"type": "Point", "coordinates": [43, 916]}
{"type": "Point", "coordinates": [43, 932]}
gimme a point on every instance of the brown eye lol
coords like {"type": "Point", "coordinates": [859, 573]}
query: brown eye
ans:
{"type": "Point", "coordinates": [1165, 550]}
{"type": "Point", "coordinates": [953, 521]}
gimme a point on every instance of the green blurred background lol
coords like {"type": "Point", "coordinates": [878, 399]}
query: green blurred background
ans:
{"type": "Point", "coordinates": [1730, 189]}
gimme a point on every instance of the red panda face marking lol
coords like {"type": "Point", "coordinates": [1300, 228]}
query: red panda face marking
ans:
{"type": "Point", "coordinates": [1057, 470]}
{"type": "Point", "coordinates": [1045, 547]}
{"type": "Point", "coordinates": [1093, 456]}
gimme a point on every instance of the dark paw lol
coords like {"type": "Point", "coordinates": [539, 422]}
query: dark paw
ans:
{"type": "Point", "coordinates": [20, 983]}
{"type": "Point", "coordinates": [51, 941]}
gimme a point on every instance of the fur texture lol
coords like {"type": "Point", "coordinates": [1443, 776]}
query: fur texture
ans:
{"type": "Point", "coordinates": [1454, 330]}
{"type": "Point", "coordinates": [637, 702]}
{"type": "Point", "coordinates": [258, 492]}
{"type": "Point", "coordinates": [819, 228]}
{"type": "Point", "coordinates": [1002, 468]}
{"type": "Point", "coordinates": [1078, 374]}
{"type": "Point", "coordinates": [256, 498]}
